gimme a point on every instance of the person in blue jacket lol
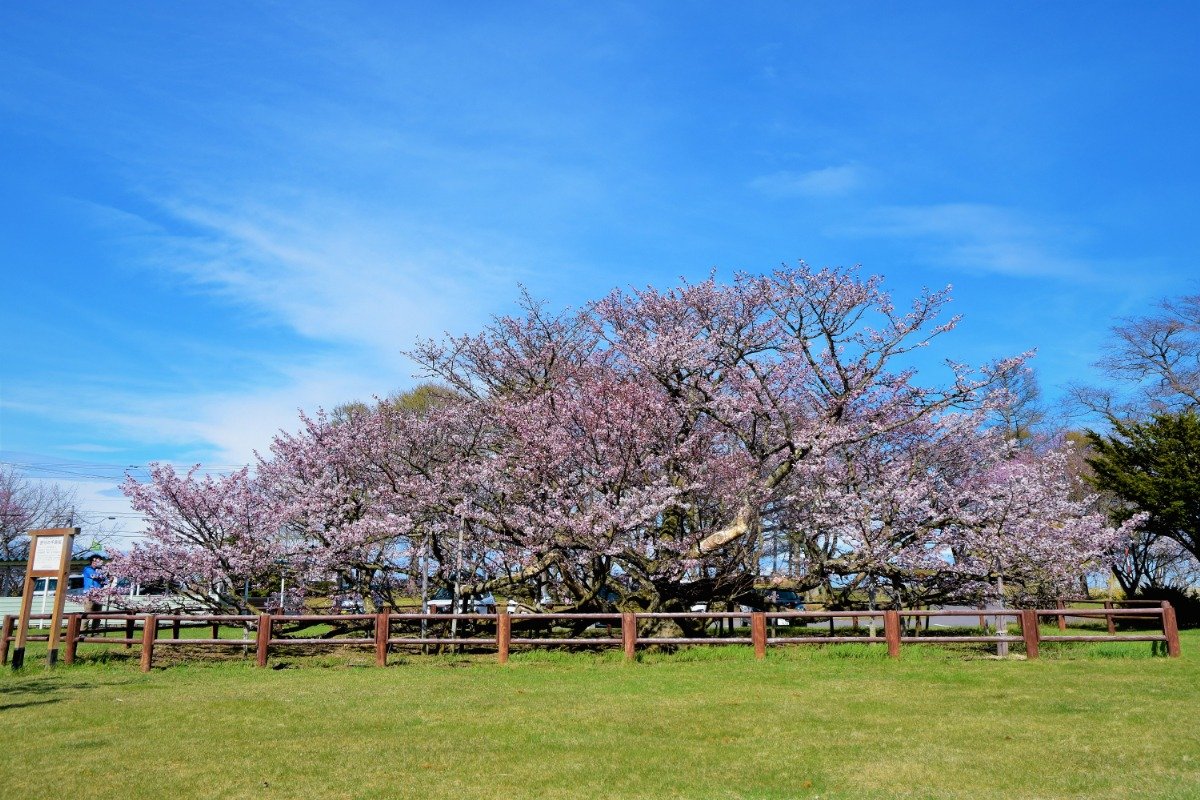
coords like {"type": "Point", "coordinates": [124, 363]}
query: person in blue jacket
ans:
{"type": "Point", "coordinates": [94, 578]}
{"type": "Point", "coordinates": [93, 574]}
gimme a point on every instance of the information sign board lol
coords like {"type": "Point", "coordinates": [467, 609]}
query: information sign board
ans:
{"type": "Point", "coordinates": [49, 557]}
{"type": "Point", "coordinates": [47, 553]}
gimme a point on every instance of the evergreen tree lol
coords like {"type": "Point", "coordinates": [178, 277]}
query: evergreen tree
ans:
{"type": "Point", "coordinates": [1154, 466]}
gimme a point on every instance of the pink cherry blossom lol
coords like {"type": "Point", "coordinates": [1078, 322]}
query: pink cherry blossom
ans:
{"type": "Point", "coordinates": [651, 443]}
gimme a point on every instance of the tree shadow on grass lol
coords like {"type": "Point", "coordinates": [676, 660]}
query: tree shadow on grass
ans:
{"type": "Point", "coordinates": [35, 688]}
{"type": "Point", "coordinates": [13, 706]}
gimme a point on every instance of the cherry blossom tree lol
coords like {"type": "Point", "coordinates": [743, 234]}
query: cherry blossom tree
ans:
{"type": "Point", "coordinates": [358, 494]}
{"type": "Point", "coordinates": [640, 450]}
{"type": "Point", "coordinates": [948, 509]}
{"type": "Point", "coordinates": [1018, 528]}
{"type": "Point", "coordinates": [874, 516]}
{"type": "Point", "coordinates": [207, 537]}
{"type": "Point", "coordinates": [721, 401]}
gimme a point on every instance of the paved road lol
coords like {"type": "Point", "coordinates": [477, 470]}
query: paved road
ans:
{"type": "Point", "coordinates": [936, 621]}
{"type": "Point", "coordinates": [948, 620]}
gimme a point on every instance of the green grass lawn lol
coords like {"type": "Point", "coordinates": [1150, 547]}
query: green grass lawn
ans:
{"type": "Point", "coordinates": [1085, 721]}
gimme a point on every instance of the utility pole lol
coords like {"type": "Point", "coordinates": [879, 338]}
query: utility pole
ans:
{"type": "Point", "coordinates": [424, 560]}
{"type": "Point", "coordinates": [462, 525]}
{"type": "Point", "coordinates": [1001, 621]}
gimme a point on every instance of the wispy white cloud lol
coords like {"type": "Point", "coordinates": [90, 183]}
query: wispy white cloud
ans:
{"type": "Point", "coordinates": [235, 424]}
{"type": "Point", "coordinates": [221, 427]}
{"type": "Point", "coordinates": [354, 289]}
{"type": "Point", "coordinates": [978, 237]}
{"type": "Point", "coordinates": [826, 182]}
{"type": "Point", "coordinates": [334, 277]}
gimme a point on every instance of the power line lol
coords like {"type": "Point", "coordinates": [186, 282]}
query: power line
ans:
{"type": "Point", "coordinates": [111, 465]}
{"type": "Point", "coordinates": [104, 472]}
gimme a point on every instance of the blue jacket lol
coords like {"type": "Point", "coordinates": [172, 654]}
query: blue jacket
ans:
{"type": "Point", "coordinates": [93, 578]}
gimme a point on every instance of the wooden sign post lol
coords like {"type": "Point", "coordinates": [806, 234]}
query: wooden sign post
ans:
{"type": "Point", "coordinates": [49, 557]}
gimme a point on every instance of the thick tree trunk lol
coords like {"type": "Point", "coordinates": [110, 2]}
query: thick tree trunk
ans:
{"type": "Point", "coordinates": [731, 532]}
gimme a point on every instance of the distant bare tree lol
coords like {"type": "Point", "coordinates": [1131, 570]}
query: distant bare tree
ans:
{"type": "Point", "coordinates": [26, 505]}
{"type": "Point", "coordinates": [1156, 357]}
{"type": "Point", "coordinates": [1156, 562]}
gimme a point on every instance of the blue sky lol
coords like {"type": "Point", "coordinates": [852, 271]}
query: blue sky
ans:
{"type": "Point", "coordinates": [215, 214]}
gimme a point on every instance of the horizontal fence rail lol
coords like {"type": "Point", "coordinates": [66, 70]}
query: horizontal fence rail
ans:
{"type": "Point", "coordinates": [495, 631]}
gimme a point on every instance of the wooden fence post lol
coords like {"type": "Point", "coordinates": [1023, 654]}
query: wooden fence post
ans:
{"type": "Point", "coordinates": [1112, 625]}
{"type": "Point", "coordinates": [503, 636]}
{"type": "Point", "coordinates": [1170, 629]}
{"type": "Point", "coordinates": [72, 639]}
{"type": "Point", "coordinates": [264, 638]}
{"type": "Point", "coordinates": [1062, 619]}
{"type": "Point", "coordinates": [758, 633]}
{"type": "Point", "coordinates": [891, 630]}
{"type": "Point", "coordinates": [175, 624]}
{"type": "Point", "coordinates": [128, 632]}
{"type": "Point", "coordinates": [629, 634]}
{"type": "Point", "coordinates": [216, 630]}
{"type": "Point", "coordinates": [6, 638]}
{"type": "Point", "coordinates": [149, 631]}
{"type": "Point", "coordinates": [1030, 633]}
{"type": "Point", "coordinates": [382, 629]}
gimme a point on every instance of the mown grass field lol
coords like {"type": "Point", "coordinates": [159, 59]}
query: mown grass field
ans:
{"type": "Point", "coordinates": [1085, 721]}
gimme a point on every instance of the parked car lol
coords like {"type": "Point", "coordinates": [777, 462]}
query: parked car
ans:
{"type": "Point", "coordinates": [443, 598]}
{"type": "Point", "coordinates": [74, 584]}
{"type": "Point", "coordinates": [781, 599]}
{"type": "Point", "coordinates": [294, 603]}
{"type": "Point", "coordinates": [347, 603]}
{"type": "Point", "coordinates": [516, 607]}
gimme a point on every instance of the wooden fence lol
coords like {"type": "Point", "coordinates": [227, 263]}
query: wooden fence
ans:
{"type": "Point", "coordinates": [152, 631]}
